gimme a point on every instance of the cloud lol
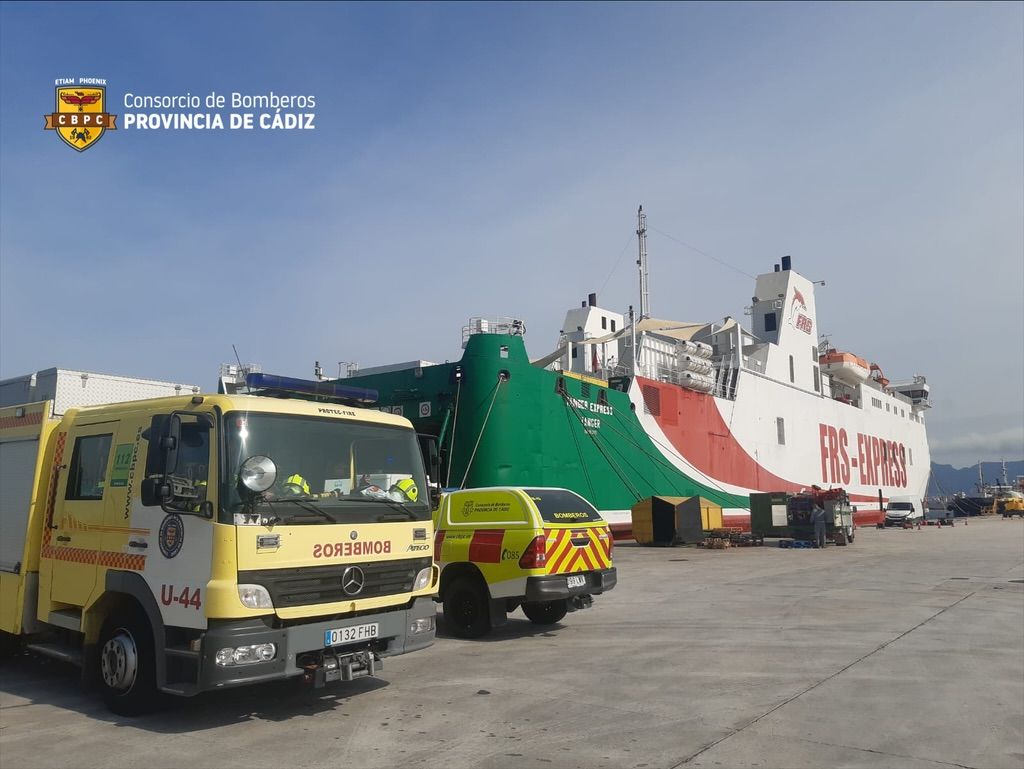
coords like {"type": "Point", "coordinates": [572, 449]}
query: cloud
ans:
{"type": "Point", "coordinates": [1006, 440]}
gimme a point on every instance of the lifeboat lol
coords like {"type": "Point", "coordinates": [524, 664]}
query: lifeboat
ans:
{"type": "Point", "coordinates": [844, 367]}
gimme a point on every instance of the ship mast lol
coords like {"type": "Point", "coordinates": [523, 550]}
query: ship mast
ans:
{"type": "Point", "coordinates": [641, 231]}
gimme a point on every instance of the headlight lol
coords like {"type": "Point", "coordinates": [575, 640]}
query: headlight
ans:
{"type": "Point", "coordinates": [246, 655]}
{"type": "Point", "coordinates": [422, 625]}
{"type": "Point", "coordinates": [422, 579]}
{"type": "Point", "coordinates": [254, 597]}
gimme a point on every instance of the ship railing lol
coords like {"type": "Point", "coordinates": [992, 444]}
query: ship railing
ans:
{"type": "Point", "coordinates": [726, 379]}
{"type": "Point", "coordinates": [497, 325]}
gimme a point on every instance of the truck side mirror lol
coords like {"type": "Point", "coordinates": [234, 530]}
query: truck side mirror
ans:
{"type": "Point", "coordinates": [154, 491]}
{"type": "Point", "coordinates": [431, 458]}
{"type": "Point", "coordinates": [169, 444]}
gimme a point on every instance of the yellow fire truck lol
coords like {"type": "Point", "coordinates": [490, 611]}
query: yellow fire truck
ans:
{"type": "Point", "coordinates": [183, 544]}
{"type": "Point", "coordinates": [546, 550]}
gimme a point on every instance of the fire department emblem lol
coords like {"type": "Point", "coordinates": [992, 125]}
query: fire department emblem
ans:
{"type": "Point", "coordinates": [172, 535]}
{"type": "Point", "coordinates": [81, 119]}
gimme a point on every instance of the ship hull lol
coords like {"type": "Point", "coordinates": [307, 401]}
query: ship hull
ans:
{"type": "Point", "coordinates": [502, 421]}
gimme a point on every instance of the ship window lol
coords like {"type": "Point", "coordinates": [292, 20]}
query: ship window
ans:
{"type": "Point", "coordinates": [910, 456]}
{"type": "Point", "coordinates": [613, 324]}
{"type": "Point", "coordinates": [575, 352]}
{"type": "Point", "coordinates": [876, 402]}
{"type": "Point", "coordinates": [792, 371]}
{"type": "Point", "coordinates": [817, 379]}
{"type": "Point", "coordinates": [886, 406]}
{"type": "Point", "coordinates": [903, 413]}
{"type": "Point", "coordinates": [814, 353]}
{"type": "Point", "coordinates": [604, 322]}
{"type": "Point", "coordinates": [780, 426]}
{"type": "Point", "coordinates": [770, 321]}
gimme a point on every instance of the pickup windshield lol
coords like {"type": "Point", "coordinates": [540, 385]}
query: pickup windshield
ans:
{"type": "Point", "coordinates": [329, 470]}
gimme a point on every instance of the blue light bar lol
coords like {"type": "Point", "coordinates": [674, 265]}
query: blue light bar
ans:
{"type": "Point", "coordinates": [360, 396]}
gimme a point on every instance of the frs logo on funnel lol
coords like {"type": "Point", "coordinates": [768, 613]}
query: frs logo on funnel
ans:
{"type": "Point", "coordinates": [797, 312]}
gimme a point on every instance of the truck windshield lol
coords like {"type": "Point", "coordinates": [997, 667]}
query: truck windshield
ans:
{"type": "Point", "coordinates": [328, 471]}
{"type": "Point", "coordinates": [900, 506]}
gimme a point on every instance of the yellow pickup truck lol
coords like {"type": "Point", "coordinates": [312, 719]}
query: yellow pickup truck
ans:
{"type": "Point", "coordinates": [546, 550]}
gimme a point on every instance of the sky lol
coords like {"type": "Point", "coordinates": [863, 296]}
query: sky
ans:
{"type": "Point", "coordinates": [488, 160]}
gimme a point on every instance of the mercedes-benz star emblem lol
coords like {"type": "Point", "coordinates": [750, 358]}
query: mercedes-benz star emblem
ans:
{"type": "Point", "coordinates": [353, 534]}
{"type": "Point", "coordinates": [352, 580]}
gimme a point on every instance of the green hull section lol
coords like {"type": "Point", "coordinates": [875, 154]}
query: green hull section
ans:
{"type": "Point", "coordinates": [502, 421]}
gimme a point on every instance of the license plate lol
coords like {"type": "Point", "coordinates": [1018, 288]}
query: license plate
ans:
{"type": "Point", "coordinates": [576, 580]}
{"type": "Point", "coordinates": [347, 635]}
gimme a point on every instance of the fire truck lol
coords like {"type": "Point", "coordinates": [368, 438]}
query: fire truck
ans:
{"type": "Point", "coordinates": [180, 544]}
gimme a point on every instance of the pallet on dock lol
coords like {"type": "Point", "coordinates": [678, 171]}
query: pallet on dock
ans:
{"type": "Point", "coordinates": [716, 543]}
{"type": "Point", "coordinates": [796, 543]}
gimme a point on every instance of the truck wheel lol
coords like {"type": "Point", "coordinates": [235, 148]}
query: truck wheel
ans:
{"type": "Point", "coordinates": [467, 608]}
{"type": "Point", "coordinates": [127, 666]}
{"type": "Point", "coordinates": [849, 536]}
{"type": "Point", "coordinates": [545, 612]}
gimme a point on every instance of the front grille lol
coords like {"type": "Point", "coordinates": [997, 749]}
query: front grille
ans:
{"type": "Point", "coordinates": [322, 584]}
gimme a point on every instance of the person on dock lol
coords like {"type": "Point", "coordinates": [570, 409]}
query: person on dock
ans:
{"type": "Point", "coordinates": [818, 519]}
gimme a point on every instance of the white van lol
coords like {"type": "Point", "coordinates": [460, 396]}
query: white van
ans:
{"type": "Point", "coordinates": [903, 510]}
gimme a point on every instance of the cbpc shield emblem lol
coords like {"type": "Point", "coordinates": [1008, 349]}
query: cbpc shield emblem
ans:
{"type": "Point", "coordinates": [81, 119]}
{"type": "Point", "coordinates": [171, 536]}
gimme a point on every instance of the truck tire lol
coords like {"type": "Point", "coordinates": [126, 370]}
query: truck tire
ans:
{"type": "Point", "coordinates": [467, 608]}
{"type": "Point", "coordinates": [545, 612]}
{"type": "Point", "coordinates": [127, 667]}
{"type": "Point", "coordinates": [850, 535]}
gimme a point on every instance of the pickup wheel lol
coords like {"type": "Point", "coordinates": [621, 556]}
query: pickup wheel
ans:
{"type": "Point", "coordinates": [127, 667]}
{"type": "Point", "coordinates": [467, 608]}
{"type": "Point", "coordinates": [545, 612]}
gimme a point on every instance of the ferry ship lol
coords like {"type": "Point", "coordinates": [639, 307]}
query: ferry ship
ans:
{"type": "Point", "coordinates": [631, 406]}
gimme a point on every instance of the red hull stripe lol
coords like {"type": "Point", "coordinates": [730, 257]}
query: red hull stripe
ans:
{"type": "Point", "coordinates": [694, 425]}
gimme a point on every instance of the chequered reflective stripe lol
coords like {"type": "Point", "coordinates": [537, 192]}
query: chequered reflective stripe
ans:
{"type": "Point", "coordinates": [105, 558]}
{"type": "Point", "coordinates": [33, 418]}
{"type": "Point", "coordinates": [51, 497]}
{"type": "Point", "coordinates": [571, 550]}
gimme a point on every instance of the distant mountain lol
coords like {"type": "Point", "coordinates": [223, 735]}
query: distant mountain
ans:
{"type": "Point", "coordinates": [947, 479]}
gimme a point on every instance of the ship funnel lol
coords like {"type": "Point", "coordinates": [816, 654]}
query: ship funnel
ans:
{"type": "Point", "coordinates": [787, 263]}
{"type": "Point", "coordinates": [592, 300]}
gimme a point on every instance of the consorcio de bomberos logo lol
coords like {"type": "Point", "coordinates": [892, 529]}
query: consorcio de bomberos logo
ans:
{"type": "Point", "coordinates": [81, 118]}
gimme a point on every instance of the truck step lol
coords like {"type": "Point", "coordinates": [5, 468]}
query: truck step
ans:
{"type": "Point", "coordinates": [58, 651]}
{"type": "Point", "coordinates": [69, 619]}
